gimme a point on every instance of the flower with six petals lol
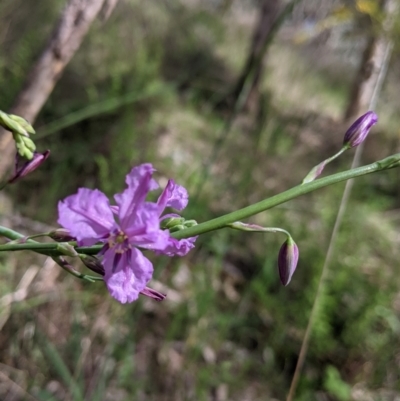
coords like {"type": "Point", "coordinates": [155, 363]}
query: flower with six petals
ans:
{"type": "Point", "coordinates": [133, 223]}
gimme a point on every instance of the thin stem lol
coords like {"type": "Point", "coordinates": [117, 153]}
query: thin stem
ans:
{"type": "Point", "coordinates": [220, 222]}
{"type": "Point", "coordinates": [335, 156]}
{"type": "Point", "coordinates": [334, 234]}
{"type": "Point", "coordinates": [70, 269]}
{"type": "Point", "coordinates": [103, 107]}
{"type": "Point", "coordinates": [37, 246]}
{"type": "Point", "coordinates": [317, 170]}
{"type": "Point", "coordinates": [223, 221]}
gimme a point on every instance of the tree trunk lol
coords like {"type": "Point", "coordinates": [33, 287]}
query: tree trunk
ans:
{"type": "Point", "coordinates": [371, 65]}
{"type": "Point", "coordinates": [253, 67]}
{"type": "Point", "coordinates": [64, 42]}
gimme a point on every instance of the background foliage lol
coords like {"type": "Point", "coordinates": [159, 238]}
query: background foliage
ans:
{"type": "Point", "coordinates": [146, 87]}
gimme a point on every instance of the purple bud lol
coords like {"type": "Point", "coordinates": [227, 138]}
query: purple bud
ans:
{"type": "Point", "coordinates": [93, 263]}
{"type": "Point", "coordinates": [287, 260]}
{"type": "Point", "coordinates": [61, 235]}
{"type": "Point", "coordinates": [360, 129]}
{"type": "Point", "coordinates": [23, 167]}
{"type": "Point", "coordinates": [149, 292]}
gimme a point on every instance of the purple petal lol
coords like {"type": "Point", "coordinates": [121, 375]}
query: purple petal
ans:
{"type": "Point", "coordinates": [87, 215]}
{"type": "Point", "coordinates": [359, 130]}
{"type": "Point", "coordinates": [153, 184]}
{"type": "Point", "coordinates": [146, 232]}
{"type": "Point", "coordinates": [139, 182]}
{"type": "Point", "coordinates": [174, 196]}
{"type": "Point", "coordinates": [127, 278]}
{"type": "Point", "coordinates": [24, 167]}
{"type": "Point", "coordinates": [178, 247]}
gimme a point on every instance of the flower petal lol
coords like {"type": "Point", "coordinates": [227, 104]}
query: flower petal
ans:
{"type": "Point", "coordinates": [174, 196]}
{"type": "Point", "coordinates": [126, 278]}
{"type": "Point", "coordinates": [87, 215]}
{"type": "Point", "coordinates": [139, 183]}
{"type": "Point", "coordinates": [146, 232]}
{"type": "Point", "coordinates": [178, 247]}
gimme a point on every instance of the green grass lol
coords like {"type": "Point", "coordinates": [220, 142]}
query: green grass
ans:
{"type": "Point", "coordinates": [228, 329]}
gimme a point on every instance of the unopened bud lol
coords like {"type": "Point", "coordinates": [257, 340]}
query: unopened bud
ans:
{"type": "Point", "coordinates": [29, 143]}
{"type": "Point", "coordinates": [7, 122]}
{"type": "Point", "coordinates": [93, 263]}
{"type": "Point", "coordinates": [190, 223]}
{"type": "Point", "coordinates": [287, 260]}
{"type": "Point", "coordinates": [61, 235]}
{"type": "Point", "coordinates": [171, 222]}
{"type": "Point", "coordinates": [359, 130]}
{"type": "Point", "coordinates": [176, 228]}
{"type": "Point", "coordinates": [149, 292]}
{"type": "Point", "coordinates": [66, 249]}
{"type": "Point", "coordinates": [23, 123]}
{"type": "Point", "coordinates": [24, 167]}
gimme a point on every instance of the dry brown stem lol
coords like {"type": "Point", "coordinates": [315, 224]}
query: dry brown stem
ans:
{"type": "Point", "coordinates": [65, 40]}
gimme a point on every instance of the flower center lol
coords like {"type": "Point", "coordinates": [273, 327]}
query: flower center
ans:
{"type": "Point", "coordinates": [119, 242]}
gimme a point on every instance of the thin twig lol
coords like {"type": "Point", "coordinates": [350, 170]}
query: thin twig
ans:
{"type": "Point", "coordinates": [334, 235]}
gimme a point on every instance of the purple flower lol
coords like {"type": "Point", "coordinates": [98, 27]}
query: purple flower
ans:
{"type": "Point", "coordinates": [175, 196]}
{"type": "Point", "coordinates": [89, 217]}
{"type": "Point", "coordinates": [23, 167]}
{"type": "Point", "coordinates": [287, 260]}
{"type": "Point", "coordinates": [359, 130]}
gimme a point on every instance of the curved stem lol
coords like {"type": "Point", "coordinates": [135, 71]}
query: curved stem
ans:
{"type": "Point", "coordinates": [302, 189]}
{"type": "Point", "coordinates": [223, 221]}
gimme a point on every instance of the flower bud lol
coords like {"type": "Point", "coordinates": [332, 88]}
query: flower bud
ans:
{"type": "Point", "coordinates": [176, 228]}
{"type": "Point", "coordinates": [156, 295]}
{"type": "Point", "coordinates": [190, 223]}
{"type": "Point", "coordinates": [29, 143]}
{"type": "Point", "coordinates": [26, 167]}
{"type": "Point", "coordinates": [61, 235]}
{"type": "Point", "coordinates": [8, 122]}
{"type": "Point", "coordinates": [359, 130]}
{"type": "Point", "coordinates": [93, 263]}
{"type": "Point", "coordinates": [66, 249]}
{"type": "Point", "coordinates": [171, 222]}
{"type": "Point", "coordinates": [287, 260]}
{"type": "Point", "coordinates": [22, 123]}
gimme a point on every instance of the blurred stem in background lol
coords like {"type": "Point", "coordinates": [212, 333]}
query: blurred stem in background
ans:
{"type": "Point", "coordinates": [265, 31]}
{"type": "Point", "coordinates": [364, 95]}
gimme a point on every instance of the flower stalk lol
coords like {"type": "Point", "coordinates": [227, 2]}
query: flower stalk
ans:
{"type": "Point", "coordinates": [229, 218]}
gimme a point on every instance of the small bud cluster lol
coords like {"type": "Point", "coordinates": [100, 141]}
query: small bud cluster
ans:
{"type": "Point", "coordinates": [20, 129]}
{"type": "Point", "coordinates": [174, 224]}
{"type": "Point", "coordinates": [27, 158]}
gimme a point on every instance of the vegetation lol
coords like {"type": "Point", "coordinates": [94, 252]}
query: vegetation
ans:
{"type": "Point", "coordinates": [149, 85]}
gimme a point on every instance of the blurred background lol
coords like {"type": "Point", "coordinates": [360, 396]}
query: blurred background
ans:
{"type": "Point", "coordinates": [236, 100]}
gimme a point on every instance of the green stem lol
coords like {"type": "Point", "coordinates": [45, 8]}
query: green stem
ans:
{"type": "Point", "coordinates": [220, 222]}
{"type": "Point", "coordinates": [335, 156]}
{"type": "Point", "coordinates": [317, 170]}
{"type": "Point", "coordinates": [70, 269]}
{"type": "Point", "coordinates": [227, 219]}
